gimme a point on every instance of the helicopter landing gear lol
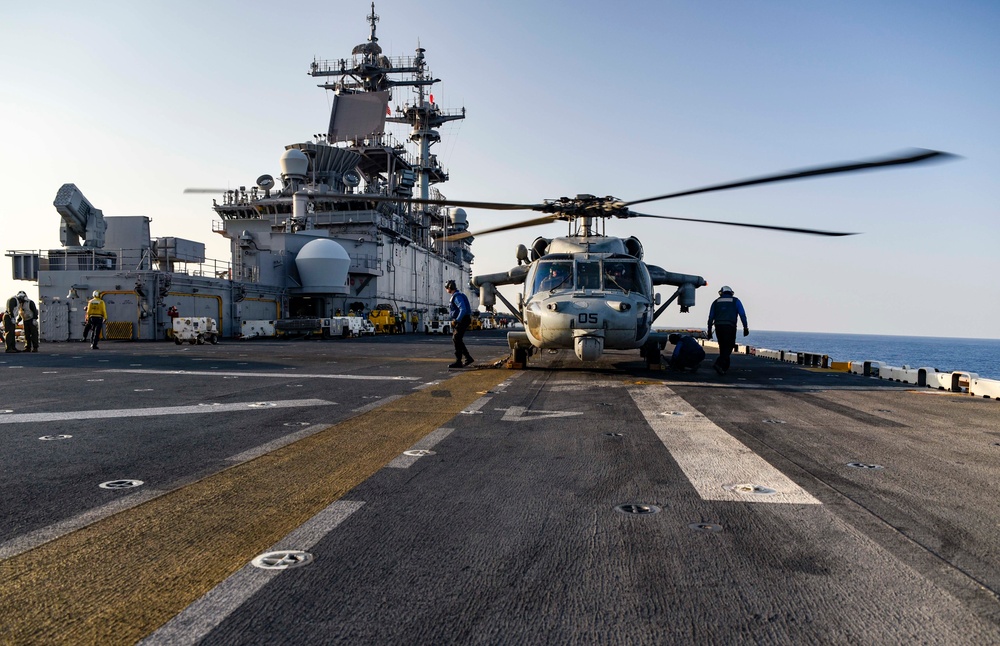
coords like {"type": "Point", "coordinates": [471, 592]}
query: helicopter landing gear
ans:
{"type": "Point", "coordinates": [651, 353]}
{"type": "Point", "coordinates": [520, 350]}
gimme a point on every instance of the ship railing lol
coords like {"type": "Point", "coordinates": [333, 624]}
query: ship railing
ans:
{"type": "Point", "coordinates": [211, 268]}
{"type": "Point", "coordinates": [92, 259]}
{"type": "Point", "coordinates": [385, 140]}
{"type": "Point", "coordinates": [955, 381]}
{"type": "Point", "coordinates": [343, 67]}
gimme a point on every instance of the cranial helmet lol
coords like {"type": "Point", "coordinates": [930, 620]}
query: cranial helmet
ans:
{"type": "Point", "coordinates": [97, 294]}
{"type": "Point", "coordinates": [21, 296]}
{"type": "Point", "coordinates": [674, 338]}
{"type": "Point", "coordinates": [451, 285]}
{"type": "Point", "coordinates": [726, 289]}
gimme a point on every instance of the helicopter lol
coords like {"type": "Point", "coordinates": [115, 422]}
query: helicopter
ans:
{"type": "Point", "coordinates": [591, 292]}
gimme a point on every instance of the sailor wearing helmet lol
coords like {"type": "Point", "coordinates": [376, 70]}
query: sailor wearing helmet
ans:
{"type": "Point", "coordinates": [97, 312]}
{"type": "Point", "coordinates": [722, 315]}
{"type": "Point", "coordinates": [461, 316]}
{"type": "Point", "coordinates": [28, 313]}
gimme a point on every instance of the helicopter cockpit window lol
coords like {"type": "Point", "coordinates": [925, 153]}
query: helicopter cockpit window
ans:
{"type": "Point", "coordinates": [621, 276]}
{"type": "Point", "coordinates": [588, 274]}
{"type": "Point", "coordinates": [554, 275]}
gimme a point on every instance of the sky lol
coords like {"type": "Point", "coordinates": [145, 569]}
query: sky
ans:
{"type": "Point", "coordinates": [134, 102]}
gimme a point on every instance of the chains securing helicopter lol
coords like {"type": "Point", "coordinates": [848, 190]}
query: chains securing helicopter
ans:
{"type": "Point", "coordinates": [590, 291]}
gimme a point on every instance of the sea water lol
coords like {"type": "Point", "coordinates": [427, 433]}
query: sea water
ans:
{"type": "Point", "coordinates": [981, 356]}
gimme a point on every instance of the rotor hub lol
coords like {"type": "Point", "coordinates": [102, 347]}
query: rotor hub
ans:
{"type": "Point", "coordinates": [585, 205]}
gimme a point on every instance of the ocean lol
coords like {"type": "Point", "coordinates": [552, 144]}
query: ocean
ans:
{"type": "Point", "coordinates": [981, 356]}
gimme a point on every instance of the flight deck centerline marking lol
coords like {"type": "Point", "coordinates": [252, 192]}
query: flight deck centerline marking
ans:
{"type": "Point", "coordinates": [161, 410]}
{"type": "Point", "coordinates": [282, 375]}
{"type": "Point", "coordinates": [196, 621]}
{"type": "Point", "coordinates": [710, 457]}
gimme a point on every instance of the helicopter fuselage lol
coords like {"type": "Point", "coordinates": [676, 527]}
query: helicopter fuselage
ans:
{"type": "Point", "coordinates": [588, 293]}
{"type": "Point", "coordinates": [588, 302]}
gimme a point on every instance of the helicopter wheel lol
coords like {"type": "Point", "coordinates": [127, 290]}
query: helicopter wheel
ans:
{"type": "Point", "coordinates": [651, 353]}
{"type": "Point", "coordinates": [520, 358]}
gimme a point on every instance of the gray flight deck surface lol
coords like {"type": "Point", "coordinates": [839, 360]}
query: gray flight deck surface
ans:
{"type": "Point", "coordinates": [785, 505]}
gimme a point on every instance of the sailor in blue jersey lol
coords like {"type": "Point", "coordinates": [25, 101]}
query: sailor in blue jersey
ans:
{"type": "Point", "coordinates": [722, 315]}
{"type": "Point", "coordinates": [688, 353]}
{"type": "Point", "coordinates": [461, 316]}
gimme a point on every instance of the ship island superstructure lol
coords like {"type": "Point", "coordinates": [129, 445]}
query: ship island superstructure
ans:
{"type": "Point", "coordinates": [326, 238]}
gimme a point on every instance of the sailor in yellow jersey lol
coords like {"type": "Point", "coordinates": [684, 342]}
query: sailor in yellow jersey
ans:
{"type": "Point", "coordinates": [96, 313]}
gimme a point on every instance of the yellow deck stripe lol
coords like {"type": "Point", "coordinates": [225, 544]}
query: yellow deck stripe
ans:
{"type": "Point", "coordinates": [116, 581]}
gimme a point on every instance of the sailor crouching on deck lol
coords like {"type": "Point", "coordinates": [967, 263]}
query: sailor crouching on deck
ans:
{"type": "Point", "coordinates": [96, 313]}
{"type": "Point", "coordinates": [723, 315]}
{"type": "Point", "coordinates": [688, 353]}
{"type": "Point", "coordinates": [461, 316]}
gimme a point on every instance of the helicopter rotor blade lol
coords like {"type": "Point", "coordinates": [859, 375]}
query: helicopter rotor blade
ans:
{"type": "Point", "coordinates": [815, 232]}
{"type": "Point", "coordinates": [507, 227]}
{"type": "Point", "coordinates": [496, 206]}
{"type": "Point", "coordinates": [914, 156]}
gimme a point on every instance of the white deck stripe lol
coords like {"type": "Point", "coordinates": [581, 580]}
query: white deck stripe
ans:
{"type": "Point", "coordinates": [31, 540]}
{"type": "Point", "coordinates": [162, 410]}
{"type": "Point", "coordinates": [276, 444]}
{"type": "Point", "coordinates": [476, 405]}
{"type": "Point", "coordinates": [710, 457]}
{"type": "Point", "coordinates": [283, 375]}
{"type": "Point", "coordinates": [204, 615]}
{"type": "Point", "coordinates": [406, 461]}
{"type": "Point", "coordinates": [377, 404]}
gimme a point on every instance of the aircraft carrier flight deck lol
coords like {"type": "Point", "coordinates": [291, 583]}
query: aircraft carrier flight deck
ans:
{"type": "Point", "coordinates": [358, 491]}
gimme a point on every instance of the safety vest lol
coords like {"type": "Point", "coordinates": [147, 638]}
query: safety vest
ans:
{"type": "Point", "coordinates": [726, 311]}
{"type": "Point", "coordinates": [28, 311]}
{"type": "Point", "coordinates": [95, 307]}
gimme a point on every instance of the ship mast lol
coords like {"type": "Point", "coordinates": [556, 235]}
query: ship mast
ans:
{"type": "Point", "coordinates": [424, 118]}
{"type": "Point", "coordinates": [370, 71]}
